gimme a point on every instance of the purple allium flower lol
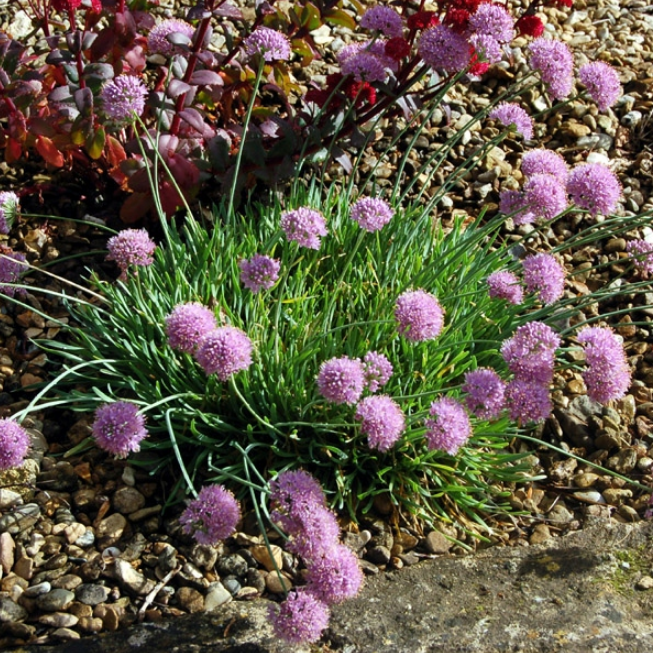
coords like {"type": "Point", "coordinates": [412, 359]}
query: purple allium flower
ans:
{"type": "Point", "coordinates": [509, 113]}
{"type": "Point", "coordinates": [312, 532]}
{"type": "Point", "coordinates": [341, 380]}
{"type": "Point", "coordinates": [8, 210]}
{"type": "Point", "coordinates": [304, 226]}
{"type": "Point", "coordinates": [131, 247]}
{"type": "Point", "coordinates": [505, 285]}
{"type": "Point", "coordinates": [294, 492]}
{"type": "Point", "coordinates": [384, 20]}
{"type": "Point", "coordinates": [12, 265]}
{"type": "Point", "coordinates": [544, 196]}
{"type": "Point", "coordinates": [642, 253]}
{"type": "Point", "coordinates": [119, 428]}
{"type": "Point", "coordinates": [451, 427]}
{"type": "Point", "coordinates": [157, 39]}
{"type": "Point", "coordinates": [593, 186]}
{"type": "Point", "coordinates": [270, 44]}
{"type": "Point", "coordinates": [301, 618]}
{"type": "Point", "coordinates": [382, 421]}
{"type": "Point", "coordinates": [419, 315]}
{"type": "Point", "coordinates": [544, 275]}
{"type": "Point", "coordinates": [485, 393]}
{"type": "Point", "coordinates": [335, 576]}
{"type": "Point", "coordinates": [530, 353]}
{"type": "Point", "coordinates": [442, 48]}
{"type": "Point", "coordinates": [365, 67]}
{"type": "Point", "coordinates": [224, 351]}
{"type": "Point", "coordinates": [486, 47]}
{"type": "Point", "coordinates": [259, 272]}
{"type": "Point", "coordinates": [494, 21]}
{"type": "Point", "coordinates": [378, 370]}
{"type": "Point", "coordinates": [608, 373]}
{"type": "Point", "coordinates": [547, 162]}
{"type": "Point", "coordinates": [556, 65]}
{"type": "Point", "coordinates": [602, 83]}
{"type": "Point", "coordinates": [371, 213]}
{"type": "Point", "coordinates": [123, 97]}
{"type": "Point", "coordinates": [188, 324]}
{"type": "Point", "coordinates": [513, 204]}
{"type": "Point", "coordinates": [528, 401]}
{"type": "Point", "coordinates": [212, 516]}
{"type": "Point", "coordinates": [376, 47]}
{"type": "Point", "coordinates": [14, 442]}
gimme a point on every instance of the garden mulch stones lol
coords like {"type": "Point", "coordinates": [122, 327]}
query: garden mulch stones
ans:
{"type": "Point", "coordinates": [85, 546]}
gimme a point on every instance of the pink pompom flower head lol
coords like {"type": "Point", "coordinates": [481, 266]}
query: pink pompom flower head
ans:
{"type": "Point", "coordinates": [594, 187]}
{"type": "Point", "coordinates": [131, 247]}
{"type": "Point", "coordinates": [382, 421]}
{"type": "Point", "coordinates": [371, 213]}
{"type": "Point", "coordinates": [14, 443]}
{"type": "Point", "coordinates": [383, 19]}
{"type": "Point", "coordinates": [188, 324]}
{"type": "Point", "coordinates": [541, 161]}
{"type": "Point", "coordinates": [509, 113]}
{"type": "Point", "coordinates": [341, 380]}
{"type": "Point", "coordinates": [419, 315]}
{"type": "Point", "coordinates": [530, 353]}
{"type": "Point", "coordinates": [293, 493]}
{"type": "Point", "coordinates": [158, 41]}
{"type": "Point", "coordinates": [268, 43]}
{"type": "Point", "coordinates": [505, 285]}
{"type": "Point", "coordinates": [378, 370]}
{"type": "Point", "coordinates": [544, 196]}
{"type": "Point", "coordinates": [335, 576]}
{"type": "Point", "coordinates": [528, 401]}
{"type": "Point", "coordinates": [225, 351]}
{"type": "Point", "coordinates": [450, 427]}
{"type": "Point", "coordinates": [259, 272]}
{"type": "Point", "coordinates": [304, 226]}
{"type": "Point", "coordinates": [301, 618]}
{"type": "Point", "coordinates": [555, 63]}
{"type": "Point", "coordinates": [444, 49]}
{"type": "Point", "coordinates": [608, 374]}
{"type": "Point", "coordinates": [494, 21]}
{"type": "Point", "coordinates": [602, 83]}
{"type": "Point", "coordinates": [545, 276]}
{"type": "Point", "coordinates": [642, 253]}
{"type": "Point", "coordinates": [212, 516]}
{"type": "Point", "coordinates": [485, 393]}
{"type": "Point", "coordinates": [119, 428]}
{"type": "Point", "coordinates": [123, 98]}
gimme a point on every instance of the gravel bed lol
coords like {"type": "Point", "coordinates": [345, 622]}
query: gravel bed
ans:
{"type": "Point", "coordinates": [85, 545]}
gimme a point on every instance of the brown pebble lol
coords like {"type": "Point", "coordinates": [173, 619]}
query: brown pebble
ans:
{"type": "Point", "coordinates": [24, 567]}
{"type": "Point", "coordinates": [91, 624]}
{"type": "Point", "coordinates": [110, 529]}
{"type": "Point", "coordinates": [80, 610]}
{"type": "Point", "coordinates": [7, 548]}
{"type": "Point", "coordinates": [190, 599]}
{"type": "Point", "coordinates": [65, 633]}
{"type": "Point", "coordinates": [111, 619]}
{"type": "Point", "coordinates": [27, 380]}
{"type": "Point", "coordinates": [437, 543]}
{"type": "Point", "coordinates": [277, 585]}
{"type": "Point", "coordinates": [59, 620]}
{"type": "Point", "coordinates": [153, 615]}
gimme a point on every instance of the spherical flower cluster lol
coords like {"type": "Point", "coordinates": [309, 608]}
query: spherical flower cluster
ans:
{"type": "Point", "coordinates": [293, 493]}
{"type": "Point", "coordinates": [188, 324]}
{"type": "Point", "coordinates": [300, 618]}
{"type": "Point", "coordinates": [312, 533]}
{"type": "Point", "coordinates": [383, 19]}
{"type": "Point", "coordinates": [12, 265]}
{"type": "Point", "coordinates": [131, 247]}
{"type": "Point", "coordinates": [487, 48]}
{"type": "Point", "coordinates": [119, 428]}
{"type": "Point", "coordinates": [494, 21]}
{"type": "Point", "coordinates": [422, 20]}
{"type": "Point", "coordinates": [123, 97]}
{"type": "Point", "coordinates": [212, 516]}
{"type": "Point", "coordinates": [336, 575]}
{"type": "Point", "coordinates": [259, 272]}
{"type": "Point", "coordinates": [8, 210]}
{"type": "Point", "coordinates": [378, 370]}
{"type": "Point", "coordinates": [365, 66]}
{"type": "Point", "coordinates": [14, 442]}
{"type": "Point", "coordinates": [608, 373]}
{"type": "Point", "coordinates": [544, 275]}
{"type": "Point", "coordinates": [443, 49]}
{"type": "Point", "coordinates": [556, 65]}
{"type": "Point", "coordinates": [602, 83]}
{"type": "Point", "coordinates": [530, 26]}
{"type": "Point", "coordinates": [485, 393]}
{"type": "Point", "coordinates": [530, 353]}
{"type": "Point", "coordinates": [224, 351]}
{"type": "Point", "coordinates": [547, 162]}
{"type": "Point", "coordinates": [544, 196]}
{"type": "Point", "coordinates": [505, 285]}
{"type": "Point", "coordinates": [419, 315]}
{"type": "Point", "coordinates": [450, 428]}
{"type": "Point", "coordinates": [513, 204]}
{"type": "Point", "coordinates": [157, 39]}
{"type": "Point", "coordinates": [528, 401]}
{"type": "Point", "coordinates": [642, 253]}
{"type": "Point", "coordinates": [341, 380]}
{"type": "Point", "coordinates": [382, 421]}
{"type": "Point", "coordinates": [304, 226]}
{"type": "Point", "coordinates": [593, 186]}
{"type": "Point", "coordinates": [509, 113]}
{"type": "Point", "coordinates": [270, 44]}
{"type": "Point", "coordinates": [371, 213]}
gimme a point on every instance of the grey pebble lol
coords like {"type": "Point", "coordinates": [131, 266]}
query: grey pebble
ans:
{"type": "Point", "coordinates": [379, 555]}
{"type": "Point", "coordinates": [9, 499]}
{"type": "Point", "coordinates": [38, 589]}
{"type": "Point", "coordinates": [66, 634]}
{"type": "Point", "coordinates": [232, 565]}
{"type": "Point", "coordinates": [10, 611]}
{"type": "Point", "coordinates": [203, 556]}
{"type": "Point", "coordinates": [131, 579]}
{"type": "Point", "coordinates": [216, 596]}
{"type": "Point", "coordinates": [59, 620]}
{"type": "Point", "coordinates": [231, 585]}
{"type": "Point", "coordinates": [86, 539]}
{"type": "Point", "coordinates": [631, 118]}
{"type": "Point", "coordinates": [7, 552]}
{"type": "Point", "coordinates": [91, 594]}
{"type": "Point", "coordinates": [437, 543]}
{"type": "Point", "coordinates": [55, 600]}
{"type": "Point", "coordinates": [127, 500]}
{"type": "Point", "coordinates": [21, 519]}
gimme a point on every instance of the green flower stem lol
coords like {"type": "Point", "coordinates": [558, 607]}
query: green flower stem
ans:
{"type": "Point", "coordinates": [180, 460]}
{"type": "Point", "coordinates": [254, 414]}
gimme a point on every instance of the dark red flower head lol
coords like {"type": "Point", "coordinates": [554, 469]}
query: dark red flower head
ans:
{"type": "Point", "coordinates": [397, 48]}
{"type": "Point", "coordinates": [422, 20]}
{"type": "Point", "coordinates": [457, 20]}
{"type": "Point", "coordinates": [65, 5]}
{"type": "Point", "coordinates": [530, 26]}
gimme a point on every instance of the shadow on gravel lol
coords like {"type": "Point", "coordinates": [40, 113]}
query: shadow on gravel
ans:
{"type": "Point", "coordinates": [557, 563]}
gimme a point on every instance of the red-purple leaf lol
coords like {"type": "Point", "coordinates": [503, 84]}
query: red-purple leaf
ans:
{"type": "Point", "coordinates": [228, 11]}
{"type": "Point", "coordinates": [193, 118]}
{"type": "Point", "coordinates": [177, 88]}
{"type": "Point", "coordinates": [206, 78]}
